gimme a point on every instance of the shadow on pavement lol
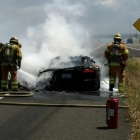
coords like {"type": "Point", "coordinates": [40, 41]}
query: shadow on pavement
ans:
{"type": "Point", "coordinates": [103, 128]}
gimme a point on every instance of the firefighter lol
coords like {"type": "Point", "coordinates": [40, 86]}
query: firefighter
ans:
{"type": "Point", "coordinates": [117, 54]}
{"type": "Point", "coordinates": [10, 56]}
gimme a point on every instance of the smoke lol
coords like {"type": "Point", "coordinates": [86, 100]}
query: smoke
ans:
{"type": "Point", "coordinates": [60, 35]}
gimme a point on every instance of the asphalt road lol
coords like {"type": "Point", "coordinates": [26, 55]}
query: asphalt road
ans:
{"type": "Point", "coordinates": [42, 122]}
{"type": "Point", "coordinates": [38, 121]}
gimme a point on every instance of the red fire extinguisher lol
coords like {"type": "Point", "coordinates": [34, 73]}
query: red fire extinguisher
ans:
{"type": "Point", "coordinates": [112, 113]}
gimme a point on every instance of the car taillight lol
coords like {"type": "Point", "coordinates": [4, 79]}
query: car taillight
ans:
{"type": "Point", "coordinates": [88, 71]}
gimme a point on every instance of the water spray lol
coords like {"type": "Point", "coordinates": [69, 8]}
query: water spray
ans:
{"type": "Point", "coordinates": [27, 78]}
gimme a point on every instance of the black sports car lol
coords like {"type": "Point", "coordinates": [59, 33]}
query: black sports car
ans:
{"type": "Point", "coordinates": [81, 73]}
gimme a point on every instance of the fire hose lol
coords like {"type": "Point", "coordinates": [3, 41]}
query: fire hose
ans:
{"type": "Point", "coordinates": [58, 105]}
{"type": "Point", "coordinates": [25, 94]}
{"type": "Point", "coordinates": [15, 94]}
{"type": "Point", "coordinates": [30, 94]}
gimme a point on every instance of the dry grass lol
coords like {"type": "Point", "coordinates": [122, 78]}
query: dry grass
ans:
{"type": "Point", "coordinates": [133, 94]}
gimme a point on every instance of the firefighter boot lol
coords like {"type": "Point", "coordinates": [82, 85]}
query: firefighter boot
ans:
{"type": "Point", "coordinates": [111, 86]}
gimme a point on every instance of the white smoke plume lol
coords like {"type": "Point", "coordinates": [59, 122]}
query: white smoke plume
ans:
{"type": "Point", "coordinates": [59, 35]}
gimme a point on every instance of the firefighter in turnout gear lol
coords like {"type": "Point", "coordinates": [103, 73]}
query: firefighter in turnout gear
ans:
{"type": "Point", "coordinates": [10, 56]}
{"type": "Point", "coordinates": [117, 55]}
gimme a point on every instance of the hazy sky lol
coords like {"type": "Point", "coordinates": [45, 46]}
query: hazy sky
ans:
{"type": "Point", "coordinates": [48, 28]}
{"type": "Point", "coordinates": [94, 16]}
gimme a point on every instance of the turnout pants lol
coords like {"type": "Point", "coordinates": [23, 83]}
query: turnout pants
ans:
{"type": "Point", "coordinates": [113, 72]}
{"type": "Point", "coordinates": [13, 78]}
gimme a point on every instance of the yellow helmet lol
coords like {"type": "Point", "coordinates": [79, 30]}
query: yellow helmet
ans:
{"type": "Point", "coordinates": [117, 36]}
{"type": "Point", "coordinates": [14, 39]}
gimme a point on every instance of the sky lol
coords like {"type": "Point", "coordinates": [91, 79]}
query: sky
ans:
{"type": "Point", "coordinates": [52, 28]}
{"type": "Point", "coordinates": [95, 17]}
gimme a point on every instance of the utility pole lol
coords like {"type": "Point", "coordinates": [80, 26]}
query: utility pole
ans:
{"type": "Point", "coordinates": [136, 35]}
{"type": "Point", "coordinates": [136, 25]}
{"type": "Point", "coordinates": [130, 29]}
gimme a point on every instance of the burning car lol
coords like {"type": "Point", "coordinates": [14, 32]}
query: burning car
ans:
{"type": "Point", "coordinates": [80, 73]}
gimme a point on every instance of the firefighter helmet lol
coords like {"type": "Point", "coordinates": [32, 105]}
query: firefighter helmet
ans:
{"type": "Point", "coordinates": [14, 39]}
{"type": "Point", "coordinates": [118, 36]}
